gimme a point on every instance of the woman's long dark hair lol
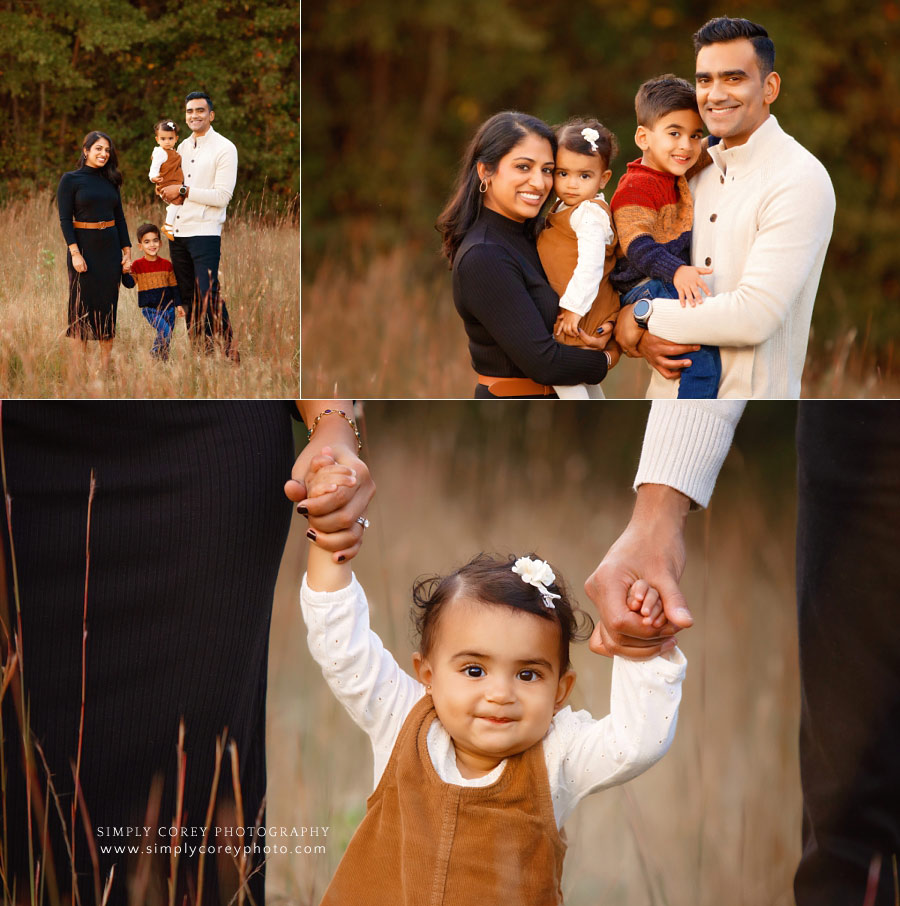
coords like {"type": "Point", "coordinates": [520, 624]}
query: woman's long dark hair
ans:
{"type": "Point", "coordinates": [111, 168]}
{"type": "Point", "coordinates": [495, 139]}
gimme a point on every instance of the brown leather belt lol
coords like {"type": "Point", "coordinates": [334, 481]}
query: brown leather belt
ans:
{"type": "Point", "coordinates": [515, 386]}
{"type": "Point", "coordinates": [100, 225]}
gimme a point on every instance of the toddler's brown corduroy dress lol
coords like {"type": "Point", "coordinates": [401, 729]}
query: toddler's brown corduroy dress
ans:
{"type": "Point", "coordinates": [558, 248]}
{"type": "Point", "coordinates": [425, 842]}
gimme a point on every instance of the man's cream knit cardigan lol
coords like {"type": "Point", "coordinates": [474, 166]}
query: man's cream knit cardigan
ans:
{"type": "Point", "coordinates": [763, 215]}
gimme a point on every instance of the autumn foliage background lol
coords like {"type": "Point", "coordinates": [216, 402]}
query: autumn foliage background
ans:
{"type": "Point", "coordinates": [70, 66]}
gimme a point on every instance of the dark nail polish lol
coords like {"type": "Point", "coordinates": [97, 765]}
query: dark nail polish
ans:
{"type": "Point", "coordinates": [311, 534]}
{"type": "Point", "coordinates": [341, 559]}
{"type": "Point", "coordinates": [302, 510]}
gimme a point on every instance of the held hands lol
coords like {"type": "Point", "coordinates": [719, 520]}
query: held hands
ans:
{"type": "Point", "coordinates": [126, 256]}
{"type": "Point", "coordinates": [639, 574]}
{"type": "Point", "coordinates": [126, 267]}
{"type": "Point", "coordinates": [332, 514]}
{"type": "Point", "coordinates": [601, 340]}
{"type": "Point", "coordinates": [690, 285]}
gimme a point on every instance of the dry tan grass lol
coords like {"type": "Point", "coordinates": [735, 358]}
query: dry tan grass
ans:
{"type": "Point", "coordinates": [260, 280]}
{"type": "Point", "coordinates": [385, 326]}
{"type": "Point", "coordinates": [718, 819]}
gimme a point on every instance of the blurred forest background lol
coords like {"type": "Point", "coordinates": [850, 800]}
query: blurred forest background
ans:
{"type": "Point", "coordinates": [70, 66]}
{"type": "Point", "coordinates": [393, 90]}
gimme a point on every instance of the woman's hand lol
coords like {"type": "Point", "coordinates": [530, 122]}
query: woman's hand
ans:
{"type": "Point", "coordinates": [601, 339]}
{"type": "Point", "coordinates": [333, 516]}
{"type": "Point", "coordinates": [78, 262]}
{"type": "Point", "coordinates": [126, 255]}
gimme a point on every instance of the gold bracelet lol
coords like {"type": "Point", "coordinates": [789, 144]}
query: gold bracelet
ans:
{"type": "Point", "coordinates": [343, 415]}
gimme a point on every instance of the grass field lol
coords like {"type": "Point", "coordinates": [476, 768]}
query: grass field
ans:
{"type": "Point", "coordinates": [260, 280]}
{"type": "Point", "coordinates": [385, 326]}
{"type": "Point", "coordinates": [718, 819]}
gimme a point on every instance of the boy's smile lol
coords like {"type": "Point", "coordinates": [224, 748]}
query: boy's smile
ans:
{"type": "Point", "coordinates": [673, 144]}
{"type": "Point", "coordinates": [494, 678]}
{"type": "Point", "coordinates": [149, 244]}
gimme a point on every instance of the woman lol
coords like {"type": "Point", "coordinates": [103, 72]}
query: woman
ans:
{"type": "Point", "coordinates": [93, 224]}
{"type": "Point", "coordinates": [499, 286]}
{"type": "Point", "coordinates": [188, 521]}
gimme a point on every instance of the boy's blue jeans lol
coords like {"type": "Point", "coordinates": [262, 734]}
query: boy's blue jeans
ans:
{"type": "Point", "coordinates": [163, 322]}
{"type": "Point", "coordinates": [700, 381]}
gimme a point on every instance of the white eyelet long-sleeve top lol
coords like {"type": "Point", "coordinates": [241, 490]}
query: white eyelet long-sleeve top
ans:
{"type": "Point", "coordinates": [583, 755]}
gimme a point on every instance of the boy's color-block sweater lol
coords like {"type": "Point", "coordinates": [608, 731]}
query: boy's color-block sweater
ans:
{"type": "Point", "coordinates": [653, 214]}
{"type": "Point", "coordinates": [156, 283]}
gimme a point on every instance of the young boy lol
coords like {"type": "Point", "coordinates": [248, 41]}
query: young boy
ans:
{"type": "Point", "coordinates": [157, 290]}
{"type": "Point", "coordinates": [165, 167]}
{"type": "Point", "coordinates": [653, 214]}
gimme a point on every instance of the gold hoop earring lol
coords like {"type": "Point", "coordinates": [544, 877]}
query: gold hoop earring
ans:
{"type": "Point", "coordinates": [483, 187]}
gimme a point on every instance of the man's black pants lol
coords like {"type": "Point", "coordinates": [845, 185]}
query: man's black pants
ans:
{"type": "Point", "coordinates": [195, 260]}
{"type": "Point", "coordinates": [848, 592]}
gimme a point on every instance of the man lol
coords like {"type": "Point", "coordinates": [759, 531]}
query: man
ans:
{"type": "Point", "coordinates": [209, 162]}
{"type": "Point", "coordinates": [763, 214]}
{"type": "Point", "coordinates": [847, 576]}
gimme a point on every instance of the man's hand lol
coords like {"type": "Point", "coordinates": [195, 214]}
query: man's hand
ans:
{"type": "Point", "coordinates": [690, 284]}
{"type": "Point", "coordinates": [651, 549]}
{"type": "Point", "coordinates": [170, 193]}
{"type": "Point", "coordinates": [659, 353]}
{"type": "Point", "coordinates": [628, 332]}
{"type": "Point", "coordinates": [566, 323]}
{"type": "Point", "coordinates": [637, 342]}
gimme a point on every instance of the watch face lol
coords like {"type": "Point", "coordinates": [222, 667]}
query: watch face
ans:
{"type": "Point", "coordinates": [641, 309]}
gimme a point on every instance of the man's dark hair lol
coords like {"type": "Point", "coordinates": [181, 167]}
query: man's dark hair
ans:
{"type": "Point", "coordinates": [196, 95]}
{"type": "Point", "coordinates": [146, 228]}
{"type": "Point", "coordinates": [662, 95]}
{"type": "Point", "coordinates": [722, 29]}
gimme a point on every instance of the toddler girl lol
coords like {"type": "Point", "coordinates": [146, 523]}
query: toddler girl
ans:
{"type": "Point", "coordinates": [165, 168]}
{"type": "Point", "coordinates": [478, 763]}
{"type": "Point", "coordinates": [577, 244]}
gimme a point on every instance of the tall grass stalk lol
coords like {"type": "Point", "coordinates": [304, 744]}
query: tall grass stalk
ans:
{"type": "Point", "coordinates": [79, 799]}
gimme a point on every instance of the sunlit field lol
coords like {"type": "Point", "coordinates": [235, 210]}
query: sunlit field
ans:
{"type": "Point", "coordinates": [718, 819]}
{"type": "Point", "coordinates": [260, 279]}
{"type": "Point", "coordinates": [385, 326]}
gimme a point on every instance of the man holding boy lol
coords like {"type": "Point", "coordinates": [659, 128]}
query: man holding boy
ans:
{"type": "Point", "coordinates": [209, 162]}
{"type": "Point", "coordinates": [763, 215]}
